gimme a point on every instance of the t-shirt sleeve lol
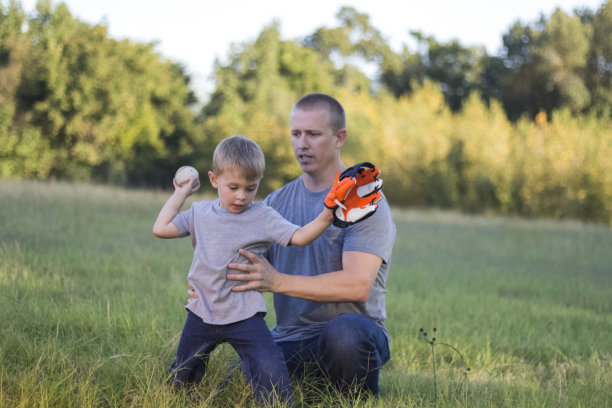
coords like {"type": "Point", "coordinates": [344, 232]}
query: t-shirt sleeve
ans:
{"type": "Point", "coordinates": [374, 235]}
{"type": "Point", "coordinates": [184, 221]}
{"type": "Point", "coordinates": [278, 229]}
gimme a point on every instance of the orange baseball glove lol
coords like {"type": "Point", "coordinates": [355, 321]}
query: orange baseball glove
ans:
{"type": "Point", "coordinates": [339, 192]}
{"type": "Point", "coordinates": [355, 194]}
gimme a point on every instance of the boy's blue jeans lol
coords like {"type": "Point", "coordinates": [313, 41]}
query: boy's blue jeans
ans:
{"type": "Point", "coordinates": [262, 361]}
{"type": "Point", "coordinates": [350, 351]}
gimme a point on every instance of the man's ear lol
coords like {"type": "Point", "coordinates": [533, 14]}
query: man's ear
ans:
{"type": "Point", "coordinates": [213, 179]}
{"type": "Point", "coordinates": [340, 138]}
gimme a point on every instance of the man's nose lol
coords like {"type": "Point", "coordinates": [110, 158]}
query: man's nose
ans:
{"type": "Point", "coordinates": [301, 142]}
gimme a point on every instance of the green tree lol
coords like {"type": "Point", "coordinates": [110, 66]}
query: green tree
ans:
{"type": "Point", "coordinates": [546, 63]}
{"type": "Point", "coordinates": [101, 108]}
{"type": "Point", "coordinates": [599, 68]}
{"type": "Point", "coordinates": [355, 42]}
{"type": "Point", "coordinates": [23, 150]}
{"type": "Point", "coordinates": [456, 68]}
{"type": "Point", "coordinates": [562, 52]}
{"type": "Point", "coordinates": [254, 94]}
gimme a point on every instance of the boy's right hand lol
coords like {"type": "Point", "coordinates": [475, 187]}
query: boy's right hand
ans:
{"type": "Point", "coordinates": [187, 188]}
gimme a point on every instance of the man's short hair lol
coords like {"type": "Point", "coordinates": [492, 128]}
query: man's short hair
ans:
{"type": "Point", "coordinates": [239, 153]}
{"type": "Point", "coordinates": [337, 117]}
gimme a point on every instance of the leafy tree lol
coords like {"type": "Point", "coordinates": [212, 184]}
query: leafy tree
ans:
{"type": "Point", "coordinates": [457, 69]}
{"type": "Point", "coordinates": [402, 73]}
{"type": "Point", "coordinates": [563, 54]}
{"type": "Point", "coordinates": [77, 104]}
{"type": "Point", "coordinates": [598, 76]}
{"type": "Point", "coordinates": [254, 94]}
{"type": "Point", "coordinates": [23, 150]}
{"type": "Point", "coordinates": [545, 65]}
{"type": "Point", "coordinates": [354, 43]}
{"type": "Point", "coordinates": [100, 108]}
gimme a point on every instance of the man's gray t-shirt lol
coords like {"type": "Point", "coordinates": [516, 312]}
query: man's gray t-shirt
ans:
{"type": "Point", "coordinates": [216, 236]}
{"type": "Point", "coordinates": [298, 319]}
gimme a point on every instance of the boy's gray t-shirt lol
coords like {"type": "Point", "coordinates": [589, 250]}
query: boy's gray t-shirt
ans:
{"type": "Point", "coordinates": [298, 319]}
{"type": "Point", "coordinates": [216, 236]}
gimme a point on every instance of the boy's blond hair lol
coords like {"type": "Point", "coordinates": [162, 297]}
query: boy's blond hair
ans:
{"type": "Point", "coordinates": [239, 153]}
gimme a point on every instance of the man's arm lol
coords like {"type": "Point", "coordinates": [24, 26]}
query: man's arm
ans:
{"type": "Point", "coordinates": [351, 284]}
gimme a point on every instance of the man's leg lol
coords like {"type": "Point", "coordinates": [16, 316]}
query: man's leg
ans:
{"type": "Point", "coordinates": [195, 346]}
{"type": "Point", "coordinates": [262, 361]}
{"type": "Point", "coordinates": [352, 350]}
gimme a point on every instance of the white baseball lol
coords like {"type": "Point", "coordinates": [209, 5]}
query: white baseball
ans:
{"type": "Point", "coordinates": [184, 173]}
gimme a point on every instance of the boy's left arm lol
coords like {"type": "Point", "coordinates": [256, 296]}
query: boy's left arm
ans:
{"type": "Point", "coordinates": [312, 230]}
{"type": "Point", "coordinates": [359, 190]}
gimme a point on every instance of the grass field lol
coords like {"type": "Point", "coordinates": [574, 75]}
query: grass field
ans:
{"type": "Point", "coordinates": [91, 307]}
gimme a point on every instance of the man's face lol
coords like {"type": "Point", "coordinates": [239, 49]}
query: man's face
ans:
{"type": "Point", "coordinates": [235, 191]}
{"type": "Point", "coordinates": [315, 144]}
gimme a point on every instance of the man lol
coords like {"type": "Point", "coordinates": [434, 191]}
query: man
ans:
{"type": "Point", "coordinates": [329, 296]}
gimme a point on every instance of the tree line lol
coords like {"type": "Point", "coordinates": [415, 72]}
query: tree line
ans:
{"type": "Point", "coordinates": [526, 131]}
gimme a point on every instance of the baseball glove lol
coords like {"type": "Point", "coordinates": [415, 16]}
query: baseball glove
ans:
{"type": "Point", "coordinates": [355, 194]}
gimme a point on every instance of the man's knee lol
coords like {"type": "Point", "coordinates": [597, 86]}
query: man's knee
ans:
{"type": "Point", "coordinates": [341, 336]}
{"type": "Point", "coordinates": [349, 335]}
{"type": "Point", "coordinates": [352, 337]}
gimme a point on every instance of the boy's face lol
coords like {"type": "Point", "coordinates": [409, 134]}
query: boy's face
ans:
{"type": "Point", "coordinates": [235, 191]}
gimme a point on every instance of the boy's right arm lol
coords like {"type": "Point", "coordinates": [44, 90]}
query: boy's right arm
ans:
{"type": "Point", "coordinates": [164, 227]}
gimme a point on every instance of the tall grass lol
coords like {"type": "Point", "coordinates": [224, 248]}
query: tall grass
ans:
{"type": "Point", "coordinates": [91, 308]}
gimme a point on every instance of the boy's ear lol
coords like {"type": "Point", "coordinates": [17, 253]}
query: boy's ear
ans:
{"type": "Point", "coordinates": [213, 179]}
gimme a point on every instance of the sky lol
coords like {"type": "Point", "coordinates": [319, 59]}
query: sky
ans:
{"type": "Point", "coordinates": [195, 32]}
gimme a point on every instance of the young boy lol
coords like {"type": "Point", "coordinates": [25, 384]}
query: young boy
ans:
{"type": "Point", "coordinates": [218, 229]}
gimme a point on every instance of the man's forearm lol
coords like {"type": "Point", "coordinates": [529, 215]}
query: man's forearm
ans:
{"type": "Point", "coordinates": [330, 287]}
{"type": "Point", "coordinates": [352, 284]}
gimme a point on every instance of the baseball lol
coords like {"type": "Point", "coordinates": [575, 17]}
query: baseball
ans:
{"type": "Point", "coordinates": [184, 173]}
